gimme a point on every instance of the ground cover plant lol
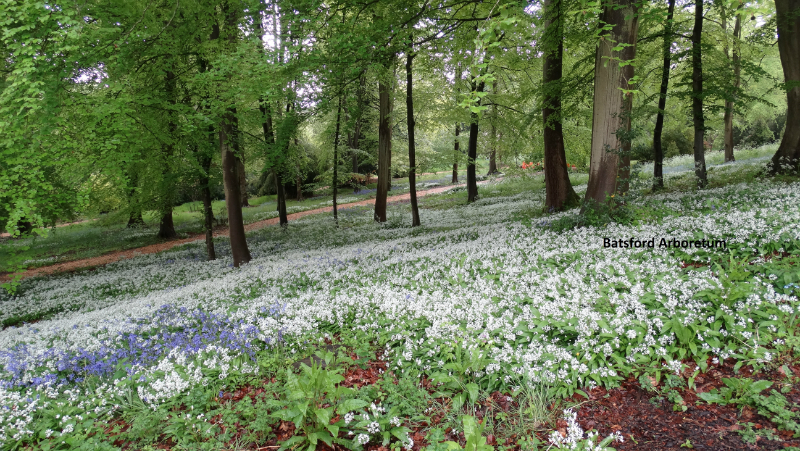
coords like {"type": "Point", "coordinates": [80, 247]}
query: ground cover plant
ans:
{"type": "Point", "coordinates": [475, 331]}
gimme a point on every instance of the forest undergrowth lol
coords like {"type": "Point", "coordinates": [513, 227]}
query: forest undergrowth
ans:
{"type": "Point", "coordinates": [491, 327]}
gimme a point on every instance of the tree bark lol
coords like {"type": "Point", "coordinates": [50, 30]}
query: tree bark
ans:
{"type": "Point", "coordinates": [472, 150]}
{"type": "Point", "coordinates": [166, 227]}
{"type": "Point", "coordinates": [230, 175]}
{"type": "Point", "coordinates": [610, 158]}
{"type": "Point", "coordinates": [335, 183]}
{"type": "Point", "coordinates": [658, 150]}
{"type": "Point", "coordinates": [243, 181]}
{"type": "Point", "coordinates": [698, 118]}
{"type": "Point", "coordinates": [384, 148]}
{"type": "Point", "coordinates": [412, 172]}
{"type": "Point", "coordinates": [455, 154]}
{"type": "Point", "coordinates": [737, 72]}
{"type": "Point", "coordinates": [269, 139]}
{"type": "Point", "coordinates": [788, 155]}
{"type": "Point", "coordinates": [559, 193]}
{"type": "Point", "coordinates": [208, 213]}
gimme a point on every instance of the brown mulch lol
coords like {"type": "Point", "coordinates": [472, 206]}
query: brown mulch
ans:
{"type": "Point", "coordinates": [154, 248]}
{"type": "Point", "coordinates": [646, 424]}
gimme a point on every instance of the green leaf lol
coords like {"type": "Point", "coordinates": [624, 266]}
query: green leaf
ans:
{"type": "Point", "coordinates": [473, 391]}
{"type": "Point", "coordinates": [350, 405]}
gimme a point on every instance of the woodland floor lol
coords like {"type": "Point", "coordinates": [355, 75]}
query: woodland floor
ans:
{"type": "Point", "coordinates": [218, 232]}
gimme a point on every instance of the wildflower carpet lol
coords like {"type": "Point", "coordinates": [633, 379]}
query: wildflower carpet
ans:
{"type": "Point", "coordinates": [473, 331]}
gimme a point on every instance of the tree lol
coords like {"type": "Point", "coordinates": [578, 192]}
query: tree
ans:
{"type": "Point", "coordinates": [229, 147]}
{"type": "Point", "coordinates": [558, 189]}
{"type": "Point", "coordinates": [698, 118]}
{"type": "Point", "coordinates": [385, 91]}
{"type": "Point", "coordinates": [611, 122]}
{"type": "Point", "coordinates": [412, 171]}
{"type": "Point", "coordinates": [787, 157]}
{"type": "Point", "coordinates": [658, 150]}
{"type": "Point", "coordinates": [737, 71]}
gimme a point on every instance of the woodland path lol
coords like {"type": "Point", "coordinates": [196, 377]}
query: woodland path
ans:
{"type": "Point", "coordinates": [153, 248]}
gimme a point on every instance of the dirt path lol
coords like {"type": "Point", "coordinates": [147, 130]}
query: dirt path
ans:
{"type": "Point", "coordinates": [153, 248]}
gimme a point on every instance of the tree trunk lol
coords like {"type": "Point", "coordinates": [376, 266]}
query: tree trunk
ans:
{"type": "Point", "coordinates": [269, 139]}
{"type": "Point", "coordinates": [298, 183]}
{"type": "Point", "coordinates": [384, 149]}
{"type": "Point", "coordinates": [336, 161]}
{"type": "Point", "coordinates": [729, 104]}
{"type": "Point", "coordinates": [208, 213]}
{"type": "Point", "coordinates": [472, 151]}
{"type": "Point", "coordinates": [697, 97]}
{"type": "Point", "coordinates": [455, 154]}
{"type": "Point", "coordinates": [558, 189]}
{"type": "Point", "coordinates": [281, 199]}
{"type": "Point", "coordinates": [611, 121]}
{"type": "Point", "coordinates": [230, 175]}
{"type": "Point", "coordinates": [788, 155]}
{"type": "Point", "coordinates": [243, 182]}
{"type": "Point", "coordinates": [658, 150]}
{"type": "Point", "coordinates": [357, 127]}
{"type": "Point", "coordinates": [166, 228]}
{"type": "Point", "coordinates": [412, 172]}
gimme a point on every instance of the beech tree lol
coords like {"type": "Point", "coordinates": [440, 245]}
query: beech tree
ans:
{"type": "Point", "coordinates": [610, 160]}
{"type": "Point", "coordinates": [787, 157]}
{"type": "Point", "coordinates": [558, 189]}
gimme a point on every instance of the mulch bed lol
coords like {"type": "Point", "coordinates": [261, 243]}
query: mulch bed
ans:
{"type": "Point", "coordinates": [647, 425]}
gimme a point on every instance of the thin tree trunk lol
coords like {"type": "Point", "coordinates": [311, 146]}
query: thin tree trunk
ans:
{"type": "Point", "coordinates": [788, 155]}
{"type": "Point", "coordinates": [412, 173]}
{"type": "Point", "coordinates": [281, 199]}
{"type": "Point", "coordinates": [658, 150]}
{"type": "Point", "coordinates": [697, 97]}
{"type": "Point", "coordinates": [384, 149]}
{"type": "Point", "coordinates": [208, 213]}
{"type": "Point", "coordinates": [336, 161]}
{"type": "Point", "coordinates": [166, 227]}
{"type": "Point", "coordinates": [299, 187]}
{"type": "Point", "coordinates": [472, 151]}
{"type": "Point", "coordinates": [456, 151]}
{"type": "Point", "coordinates": [559, 193]}
{"type": "Point", "coordinates": [611, 122]}
{"type": "Point", "coordinates": [729, 104]}
{"type": "Point", "coordinates": [493, 153]}
{"type": "Point", "coordinates": [357, 127]}
{"type": "Point", "coordinates": [269, 139]}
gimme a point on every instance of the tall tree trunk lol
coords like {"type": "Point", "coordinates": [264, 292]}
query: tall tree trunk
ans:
{"type": "Point", "coordinates": [611, 122]}
{"type": "Point", "coordinates": [335, 183]}
{"type": "Point", "coordinates": [456, 145]}
{"type": "Point", "coordinates": [412, 151]}
{"type": "Point", "coordinates": [472, 150]}
{"type": "Point", "coordinates": [697, 97]}
{"type": "Point", "coordinates": [166, 227]}
{"type": "Point", "coordinates": [788, 155]}
{"type": "Point", "coordinates": [658, 150]}
{"type": "Point", "coordinates": [354, 143]}
{"type": "Point", "coordinates": [729, 104]}
{"type": "Point", "coordinates": [228, 144]}
{"type": "Point", "coordinates": [456, 151]}
{"type": "Point", "coordinates": [230, 175]}
{"type": "Point", "coordinates": [243, 181]}
{"type": "Point", "coordinates": [205, 190]}
{"type": "Point", "coordinates": [384, 148]}
{"type": "Point", "coordinates": [281, 199]}
{"type": "Point", "coordinates": [558, 189]}
{"type": "Point", "coordinates": [269, 139]}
